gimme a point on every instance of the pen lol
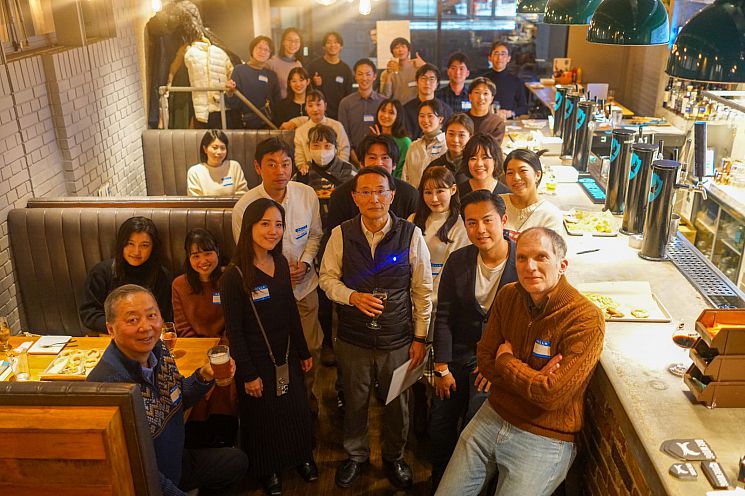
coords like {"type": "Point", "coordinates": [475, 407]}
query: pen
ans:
{"type": "Point", "coordinates": [588, 251]}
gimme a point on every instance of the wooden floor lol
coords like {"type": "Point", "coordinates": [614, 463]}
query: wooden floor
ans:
{"type": "Point", "coordinates": [329, 454]}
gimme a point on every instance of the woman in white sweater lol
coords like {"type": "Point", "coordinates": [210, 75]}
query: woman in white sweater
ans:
{"type": "Point", "coordinates": [427, 148]}
{"type": "Point", "coordinates": [523, 173]}
{"type": "Point", "coordinates": [215, 176]}
{"type": "Point", "coordinates": [438, 216]}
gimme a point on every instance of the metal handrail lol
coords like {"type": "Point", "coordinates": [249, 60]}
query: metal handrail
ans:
{"type": "Point", "coordinates": [164, 90]}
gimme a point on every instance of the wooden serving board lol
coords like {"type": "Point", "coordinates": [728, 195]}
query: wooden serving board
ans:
{"type": "Point", "coordinates": [630, 295]}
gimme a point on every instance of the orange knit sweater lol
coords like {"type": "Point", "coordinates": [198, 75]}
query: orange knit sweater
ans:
{"type": "Point", "coordinates": [550, 405]}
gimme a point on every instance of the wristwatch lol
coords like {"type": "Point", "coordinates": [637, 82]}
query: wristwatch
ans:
{"type": "Point", "coordinates": [442, 373]}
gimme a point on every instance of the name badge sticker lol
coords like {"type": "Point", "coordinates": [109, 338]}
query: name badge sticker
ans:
{"type": "Point", "coordinates": [436, 269]}
{"type": "Point", "coordinates": [368, 118]}
{"type": "Point", "coordinates": [175, 394]}
{"type": "Point", "coordinates": [340, 79]}
{"type": "Point", "coordinates": [301, 232]}
{"type": "Point", "coordinates": [263, 78]}
{"type": "Point", "coordinates": [227, 181]}
{"type": "Point", "coordinates": [260, 293]}
{"type": "Point", "coordinates": [542, 348]}
{"type": "Point", "coordinates": [411, 84]}
{"type": "Point", "coordinates": [215, 298]}
{"type": "Point", "coordinates": [465, 105]}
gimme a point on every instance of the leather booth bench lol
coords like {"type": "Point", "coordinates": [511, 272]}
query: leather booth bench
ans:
{"type": "Point", "coordinates": [168, 154]}
{"type": "Point", "coordinates": [53, 248]}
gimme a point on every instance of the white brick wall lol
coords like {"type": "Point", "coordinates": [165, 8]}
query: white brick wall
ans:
{"type": "Point", "coordinates": [70, 122]}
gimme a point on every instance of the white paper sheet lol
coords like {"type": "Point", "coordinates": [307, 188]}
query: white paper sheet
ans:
{"type": "Point", "coordinates": [49, 345]}
{"type": "Point", "coordinates": [403, 379]}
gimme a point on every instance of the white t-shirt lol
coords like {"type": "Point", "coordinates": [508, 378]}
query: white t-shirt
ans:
{"type": "Point", "coordinates": [487, 282]}
{"type": "Point", "coordinates": [225, 180]}
{"type": "Point", "coordinates": [540, 214]}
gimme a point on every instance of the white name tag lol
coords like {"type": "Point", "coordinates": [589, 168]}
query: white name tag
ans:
{"type": "Point", "coordinates": [263, 78]}
{"type": "Point", "coordinates": [227, 181]}
{"type": "Point", "coordinates": [465, 105]}
{"type": "Point", "coordinates": [368, 118]}
{"type": "Point", "coordinates": [340, 79]}
{"type": "Point", "coordinates": [215, 298]}
{"type": "Point", "coordinates": [542, 348]}
{"type": "Point", "coordinates": [436, 269]}
{"type": "Point", "coordinates": [411, 84]}
{"type": "Point", "coordinates": [436, 148]}
{"type": "Point", "coordinates": [175, 395]}
{"type": "Point", "coordinates": [260, 293]}
{"type": "Point", "coordinates": [301, 232]}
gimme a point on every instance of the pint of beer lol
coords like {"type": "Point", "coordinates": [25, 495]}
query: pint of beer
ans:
{"type": "Point", "coordinates": [220, 361]}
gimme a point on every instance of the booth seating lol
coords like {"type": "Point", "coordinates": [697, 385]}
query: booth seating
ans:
{"type": "Point", "coordinates": [133, 201]}
{"type": "Point", "coordinates": [168, 154]}
{"type": "Point", "coordinates": [54, 248]}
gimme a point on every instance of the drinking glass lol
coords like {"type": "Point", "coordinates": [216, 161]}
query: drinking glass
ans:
{"type": "Point", "coordinates": [382, 295]}
{"type": "Point", "coordinates": [219, 357]}
{"type": "Point", "coordinates": [4, 335]}
{"type": "Point", "coordinates": [685, 340]}
{"type": "Point", "coordinates": [168, 335]}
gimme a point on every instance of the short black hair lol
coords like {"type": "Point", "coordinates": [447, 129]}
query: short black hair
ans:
{"type": "Point", "coordinates": [321, 132]}
{"type": "Point", "coordinates": [482, 81]}
{"type": "Point", "coordinates": [380, 139]}
{"type": "Point", "coordinates": [428, 68]}
{"type": "Point", "coordinates": [529, 157]}
{"type": "Point", "coordinates": [336, 35]}
{"type": "Point", "coordinates": [499, 43]}
{"type": "Point", "coordinates": [462, 119]}
{"type": "Point", "coordinates": [314, 95]}
{"type": "Point", "coordinates": [482, 195]}
{"type": "Point", "coordinates": [364, 61]}
{"type": "Point", "coordinates": [434, 104]}
{"type": "Point", "coordinates": [374, 169]}
{"type": "Point", "coordinates": [210, 136]}
{"type": "Point", "coordinates": [488, 144]}
{"type": "Point", "coordinates": [458, 57]}
{"type": "Point", "coordinates": [258, 40]}
{"type": "Point", "coordinates": [400, 41]}
{"type": "Point", "coordinates": [271, 145]}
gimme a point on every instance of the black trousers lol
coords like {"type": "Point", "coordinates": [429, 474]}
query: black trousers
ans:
{"type": "Point", "coordinates": [215, 471]}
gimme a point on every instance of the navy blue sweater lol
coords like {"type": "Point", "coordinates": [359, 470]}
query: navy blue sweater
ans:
{"type": "Point", "coordinates": [511, 93]}
{"type": "Point", "coordinates": [165, 401]}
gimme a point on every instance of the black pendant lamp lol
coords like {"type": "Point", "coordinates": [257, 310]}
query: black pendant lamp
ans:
{"type": "Point", "coordinates": [711, 45]}
{"type": "Point", "coordinates": [531, 6]}
{"type": "Point", "coordinates": [570, 11]}
{"type": "Point", "coordinates": [629, 22]}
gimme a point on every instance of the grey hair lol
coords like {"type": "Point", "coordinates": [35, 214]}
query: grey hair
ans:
{"type": "Point", "coordinates": [557, 242]}
{"type": "Point", "coordinates": [118, 294]}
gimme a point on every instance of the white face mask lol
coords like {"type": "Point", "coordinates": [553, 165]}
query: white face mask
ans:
{"type": "Point", "coordinates": [322, 157]}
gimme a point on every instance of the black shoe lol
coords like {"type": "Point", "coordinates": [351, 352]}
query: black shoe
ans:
{"type": "Point", "coordinates": [308, 471]}
{"type": "Point", "coordinates": [398, 473]}
{"type": "Point", "coordinates": [348, 472]}
{"type": "Point", "coordinates": [273, 485]}
{"type": "Point", "coordinates": [328, 358]}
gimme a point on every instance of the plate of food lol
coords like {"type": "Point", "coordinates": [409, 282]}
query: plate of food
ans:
{"type": "Point", "coordinates": [71, 365]}
{"type": "Point", "coordinates": [625, 301]}
{"type": "Point", "coordinates": [580, 222]}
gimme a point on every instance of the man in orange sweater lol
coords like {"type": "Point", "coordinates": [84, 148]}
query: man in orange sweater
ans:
{"type": "Point", "coordinates": [537, 354]}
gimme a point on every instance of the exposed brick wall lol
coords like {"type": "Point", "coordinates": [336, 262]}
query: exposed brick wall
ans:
{"type": "Point", "coordinates": [607, 462]}
{"type": "Point", "coordinates": [70, 123]}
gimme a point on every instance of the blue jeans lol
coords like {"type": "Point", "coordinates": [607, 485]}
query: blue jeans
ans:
{"type": "Point", "coordinates": [446, 416]}
{"type": "Point", "coordinates": [528, 464]}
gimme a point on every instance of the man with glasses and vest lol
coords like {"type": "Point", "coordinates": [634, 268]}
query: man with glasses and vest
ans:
{"type": "Point", "coordinates": [377, 252]}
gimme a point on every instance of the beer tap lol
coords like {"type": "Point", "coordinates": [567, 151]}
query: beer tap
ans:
{"type": "Point", "coordinates": [699, 160]}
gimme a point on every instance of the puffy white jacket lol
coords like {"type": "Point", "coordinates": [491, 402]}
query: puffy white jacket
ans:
{"type": "Point", "coordinates": [208, 65]}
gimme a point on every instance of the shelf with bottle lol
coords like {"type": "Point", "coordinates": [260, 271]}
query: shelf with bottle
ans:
{"type": "Point", "coordinates": [700, 101]}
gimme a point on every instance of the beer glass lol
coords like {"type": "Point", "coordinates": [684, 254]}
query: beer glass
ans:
{"type": "Point", "coordinates": [168, 335]}
{"type": "Point", "coordinates": [219, 357]}
{"type": "Point", "coordinates": [4, 335]}
{"type": "Point", "coordinates": [382, 295]}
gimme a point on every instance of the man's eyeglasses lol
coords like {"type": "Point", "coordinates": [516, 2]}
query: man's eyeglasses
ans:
{"type": "Point", "coordinates": [367, 195]}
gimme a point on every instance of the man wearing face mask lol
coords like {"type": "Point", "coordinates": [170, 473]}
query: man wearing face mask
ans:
{"type": "Point", "coordinates": [327, 170]}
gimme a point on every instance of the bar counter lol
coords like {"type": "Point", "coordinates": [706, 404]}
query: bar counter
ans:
{"type": "Point", "coordinates": [634, 403]}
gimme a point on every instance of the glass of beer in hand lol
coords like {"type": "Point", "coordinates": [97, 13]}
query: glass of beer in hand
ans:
{"type": "Point", "coordinates": [4, 335]}
{"type": "Point", "coordinates": [219, 357]}
{"type": "Point", "coordinates": [168, 335]}
{"type": "Point", "coordinates": [382, 295]}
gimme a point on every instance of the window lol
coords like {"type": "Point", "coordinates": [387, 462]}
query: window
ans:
{"type": "Point", "coordinates": [26, 25]}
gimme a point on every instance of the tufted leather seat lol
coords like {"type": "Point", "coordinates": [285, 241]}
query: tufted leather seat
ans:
{"type": "Point", "coordinates": [168, 154]}
{"type": "Point", "coordinates": [54, 248]}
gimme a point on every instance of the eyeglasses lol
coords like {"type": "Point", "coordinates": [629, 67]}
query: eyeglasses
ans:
{"type": "Point", "coordinates": [367, 195]}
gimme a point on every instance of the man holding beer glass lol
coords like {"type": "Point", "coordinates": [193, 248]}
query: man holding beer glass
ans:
{"type": "Point", "coordinates": [137, 355]}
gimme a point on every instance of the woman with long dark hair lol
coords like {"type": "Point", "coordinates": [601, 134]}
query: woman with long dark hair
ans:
{"type": "Point", "coordinates": [197, 312]}
{"type": "Point", "coordinates": [293, 105]}
{"type": "Point", "coordinates": [481, 165]}
{"type": "Point", "coordinates": [136, 261]}
{"type": "Point", "coordinates": [289, 57]}
{"type": "Point", "coordinates": [271, 355]}
{"type": "Point", "coordinates": [391, 120]}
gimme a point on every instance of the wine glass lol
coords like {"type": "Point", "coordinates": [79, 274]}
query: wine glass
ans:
{"type": "Point", "coordinates": [685, 340]}
{"type": "Point", "coordinates": [168, 335]}
{"type": "Point", "coordinates": [4, 335]}
{"type": "Point", "coordinates": [382, 295]}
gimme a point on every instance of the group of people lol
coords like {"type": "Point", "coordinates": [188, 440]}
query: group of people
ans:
{"type": "Point", "coordinates": [466, 274]}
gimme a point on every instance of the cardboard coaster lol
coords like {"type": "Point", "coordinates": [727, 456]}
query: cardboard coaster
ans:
{"type": "Point", "coordinates": [715, 473]}
{"type": "Point", "coordinates": [683, 471]}
{"type": "Point", "coordinates": [688, 449]}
